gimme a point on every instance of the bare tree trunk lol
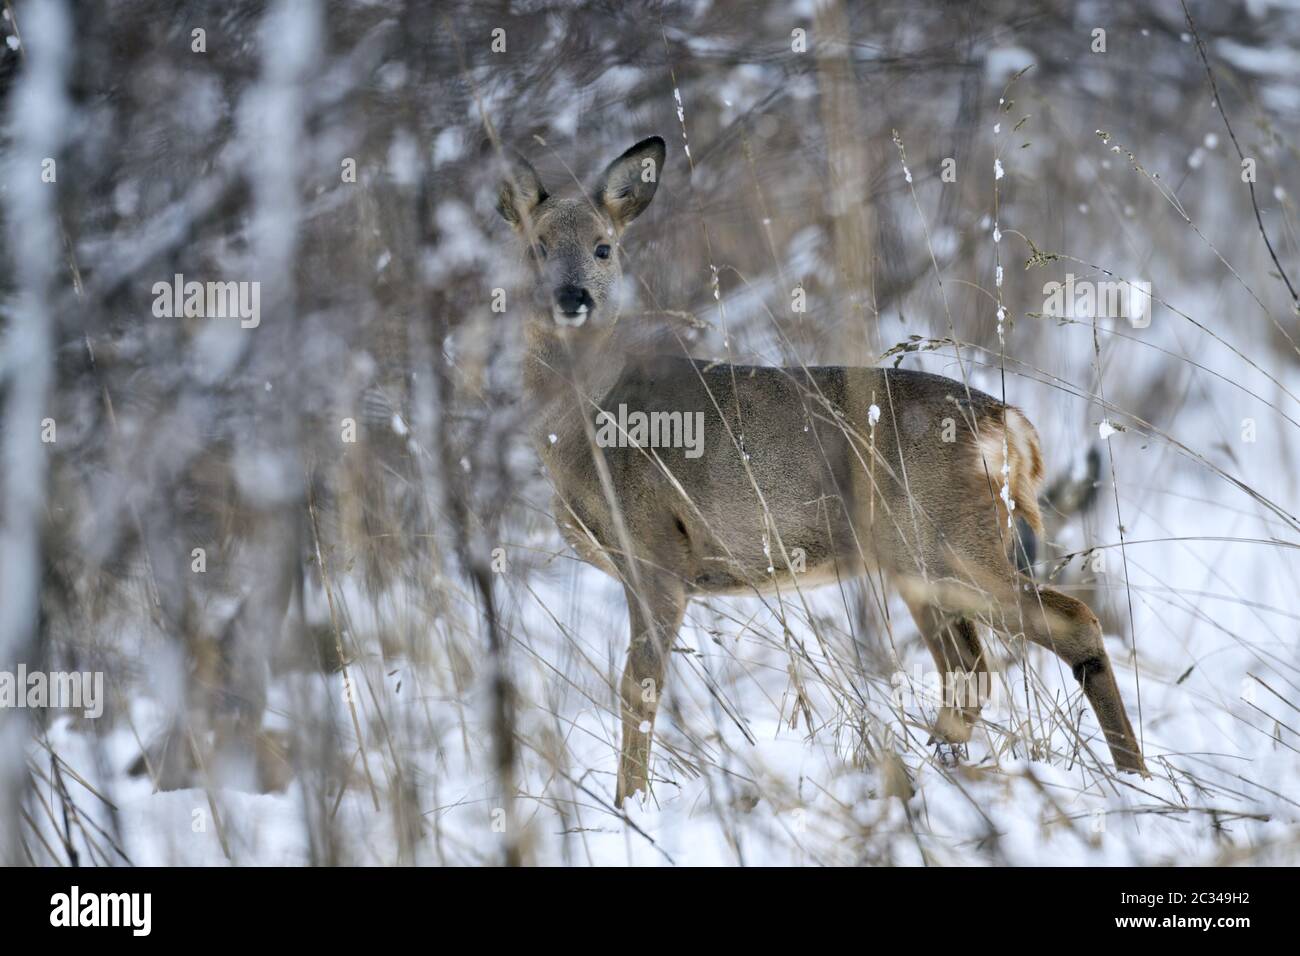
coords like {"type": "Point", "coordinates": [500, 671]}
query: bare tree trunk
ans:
{"type": "Point", "coordinates": [849, 175]}
{"type": "Point", "coordinates": [37, 122]}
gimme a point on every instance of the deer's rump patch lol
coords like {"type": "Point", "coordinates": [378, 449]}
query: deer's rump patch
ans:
{"type": "Point", "coordinates": [1008, 452]}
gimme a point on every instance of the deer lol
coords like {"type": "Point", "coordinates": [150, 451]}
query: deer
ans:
{"type": "Point", "coordinates": [907, 474]}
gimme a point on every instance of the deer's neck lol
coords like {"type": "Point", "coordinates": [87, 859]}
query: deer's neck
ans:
{"type": "Point", "coordinates": [564, 376]}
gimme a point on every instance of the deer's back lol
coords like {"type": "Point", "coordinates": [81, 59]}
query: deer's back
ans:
{"type": "Point", "coordinates": [784, 459]}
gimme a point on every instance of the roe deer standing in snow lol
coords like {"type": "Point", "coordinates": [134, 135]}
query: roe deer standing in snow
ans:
{"type": "Point", "coordinates": [850, 465]}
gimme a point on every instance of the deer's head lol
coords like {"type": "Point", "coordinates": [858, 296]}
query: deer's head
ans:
{"type": "Point", "coordinates": [574, 243]}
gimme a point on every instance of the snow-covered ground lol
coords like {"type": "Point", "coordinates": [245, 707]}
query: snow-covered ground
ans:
{"type": "Point", "coordinates": [860, 788]}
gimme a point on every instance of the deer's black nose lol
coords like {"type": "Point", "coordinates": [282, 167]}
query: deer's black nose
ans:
{"type": "Point", "coordinates": [573, 299]}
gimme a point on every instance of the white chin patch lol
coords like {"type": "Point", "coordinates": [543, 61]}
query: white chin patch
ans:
{"type": "Point", "coordinates": [568, 321]}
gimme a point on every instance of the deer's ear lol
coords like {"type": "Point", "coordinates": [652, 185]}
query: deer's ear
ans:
{"type": "Point", "coordinates": [629, 182]}
{"type": "Point", "coordinates": [521, 191]}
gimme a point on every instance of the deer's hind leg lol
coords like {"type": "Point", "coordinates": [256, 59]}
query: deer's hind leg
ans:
{"type": "Point", "coordinates": [656, 614]}
{"type": "Point", "coordinates": [1068, 627]}
{"type": "Point", "coordinates": [963, 668]}
{"type": "Point", "coordinates": [1014, 603]}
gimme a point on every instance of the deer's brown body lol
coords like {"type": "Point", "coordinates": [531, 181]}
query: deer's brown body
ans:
{"type": "Point", "coordinates": [797, 476]}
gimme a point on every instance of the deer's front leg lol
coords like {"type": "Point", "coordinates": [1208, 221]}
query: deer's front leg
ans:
{"type": "Point", "coordinates": [656, 614]}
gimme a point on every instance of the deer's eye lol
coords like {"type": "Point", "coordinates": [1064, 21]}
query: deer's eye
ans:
{"type": "Point", "coordinates": [538, 252]}
{"type": "Point", "coordinates": [602, 251]}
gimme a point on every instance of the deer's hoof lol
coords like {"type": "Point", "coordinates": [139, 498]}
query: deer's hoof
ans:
{"type": "Point", "coordinates": [951, 727]}
{"type": "Point", "coordinates": [948, 755]}
{"type": "Point", "coordinates": [633, 775]}
{"type": "Point", "coordinates": [633, 759]}
{"type": "Point", "coordinates": [1138, 767]}
{"type": "Point", "coordinates": [631, 781]}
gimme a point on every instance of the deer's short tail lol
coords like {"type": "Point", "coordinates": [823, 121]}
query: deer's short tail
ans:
{"type": "Point", "coordinates": [1013, 460]}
